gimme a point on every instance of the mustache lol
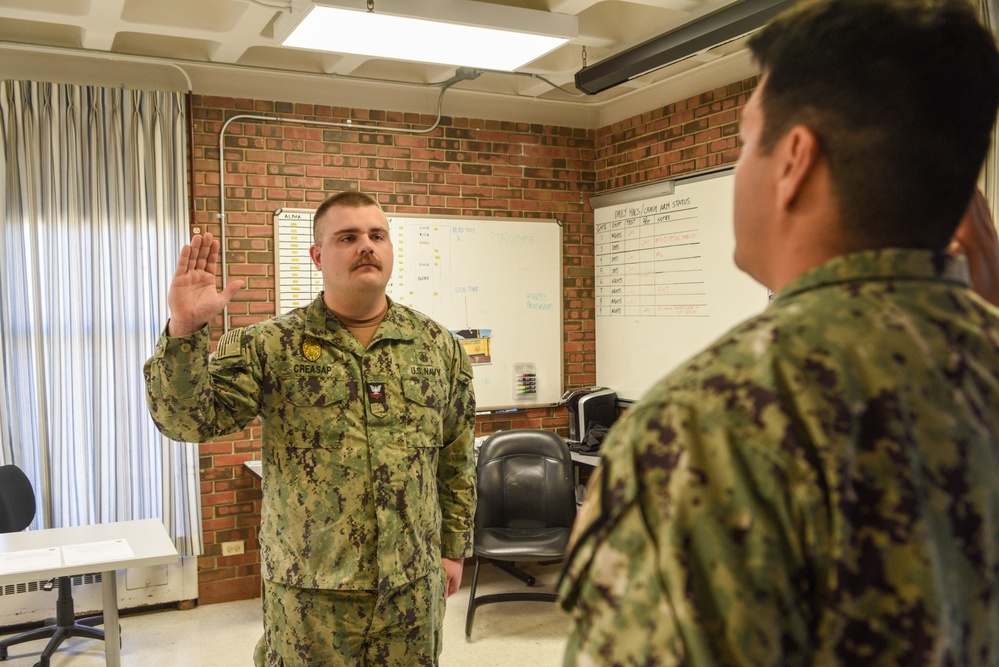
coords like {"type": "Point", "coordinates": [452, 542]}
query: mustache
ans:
{"type": "Point", "coordinates": [366, 259]}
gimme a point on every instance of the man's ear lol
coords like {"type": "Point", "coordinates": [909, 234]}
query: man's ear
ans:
{"type": "Point", "coordinates": [315, 254]}
{"type": "Point", "coordinates": [798, 153]}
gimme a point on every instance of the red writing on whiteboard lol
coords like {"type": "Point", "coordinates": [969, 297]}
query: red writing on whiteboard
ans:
{"type": "Point", "coordinates": [690, 310]}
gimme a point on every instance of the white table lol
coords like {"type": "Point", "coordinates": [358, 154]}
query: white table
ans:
{"type": "Point", "coordinates": [147, 539]}
{"type": "Point", "coordinates": [585, 459]}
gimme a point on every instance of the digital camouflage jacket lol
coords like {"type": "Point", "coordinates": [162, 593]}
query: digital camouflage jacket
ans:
{"type": "Point", "coordinates": [368, 464]}
{"type": "Point", "coordinates": [820, 486]}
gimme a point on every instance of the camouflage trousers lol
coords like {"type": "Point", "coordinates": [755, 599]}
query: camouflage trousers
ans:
{"type": "Point", "coordinates": [400, 627]}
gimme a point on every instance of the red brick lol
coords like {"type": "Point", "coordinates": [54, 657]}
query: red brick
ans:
{"type": "Point", "coordinates": [510, 169]}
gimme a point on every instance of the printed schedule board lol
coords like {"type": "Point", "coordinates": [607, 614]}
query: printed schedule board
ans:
{"type": "Point", "coordinates": [496, 283]}
{"type": "Point", "coordinates": [666, 281]}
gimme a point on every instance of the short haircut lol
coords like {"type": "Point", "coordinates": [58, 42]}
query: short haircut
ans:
{"type": "Point", "coordinates": [349, 199]}
{"type": "Point", "coordinates": [902, 95]}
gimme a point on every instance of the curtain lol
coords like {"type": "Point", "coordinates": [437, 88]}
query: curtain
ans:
{"type": "Point", "coordinates": [94, 214]}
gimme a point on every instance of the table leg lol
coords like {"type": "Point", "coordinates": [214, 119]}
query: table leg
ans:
{"type": "Point", "coordinates": [112, 634]}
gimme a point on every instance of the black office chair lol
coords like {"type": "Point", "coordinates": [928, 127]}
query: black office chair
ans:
{"type": "Point", "coordinates": [17, 511]}
{"type": "Point", "coordinates": [526, 506]}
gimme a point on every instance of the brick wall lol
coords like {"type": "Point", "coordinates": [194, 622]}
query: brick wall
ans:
{"type": "Point", "coordinates": [466, 167]}
{"type": "Point", "coordinates": [695, 134]}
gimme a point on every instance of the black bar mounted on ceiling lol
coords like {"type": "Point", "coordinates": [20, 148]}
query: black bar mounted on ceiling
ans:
{"type": "Point", "coordinates": [714, 29]}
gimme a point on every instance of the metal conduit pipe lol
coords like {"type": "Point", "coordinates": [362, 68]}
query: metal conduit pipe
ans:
{"type": "Point", "coordinates": [462, 74]}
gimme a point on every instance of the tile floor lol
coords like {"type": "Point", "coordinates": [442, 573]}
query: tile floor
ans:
{"type": "Point", "coordinates": [509, 634]}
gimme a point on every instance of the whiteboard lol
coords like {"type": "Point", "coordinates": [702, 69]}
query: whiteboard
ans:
{"type": "Point", "coordinates": [484, 275]}
{"type": "Point", "coordinates": [666, 282]}
{"type": "Point", "coordinates": [496, 283]}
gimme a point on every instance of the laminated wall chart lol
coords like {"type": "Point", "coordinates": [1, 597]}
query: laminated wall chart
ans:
{"type": "Point", "coordinates": [298, 280]}
{"type": "Point", "coordinates": [496, 283]}
{"type": "Point", "coordinates": [666, 282]}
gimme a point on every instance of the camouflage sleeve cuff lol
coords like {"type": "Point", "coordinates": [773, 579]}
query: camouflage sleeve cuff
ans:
{"type": "Point", "coordinates": [175, 365]}
{"type": "Point", "coordinates": [456, 545]}
{"type": "Point", "coordinates": [182, 348]}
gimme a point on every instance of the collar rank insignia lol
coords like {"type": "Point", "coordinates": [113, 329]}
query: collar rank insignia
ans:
{"type": "Point", "coordinates": [311, 349]}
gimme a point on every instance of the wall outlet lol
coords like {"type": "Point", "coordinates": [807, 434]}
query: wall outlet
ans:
{"type": "Point", "coordinates": [232, 548]}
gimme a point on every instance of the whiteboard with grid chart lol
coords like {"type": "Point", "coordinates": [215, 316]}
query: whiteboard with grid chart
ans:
{"type": "Point", "coordinates": [666, 281]}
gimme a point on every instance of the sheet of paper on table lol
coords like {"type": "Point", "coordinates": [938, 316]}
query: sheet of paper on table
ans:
{"type": "Point", "coordinates": [30, 559]}
{"type": "Point", "coordinates": [96, 552]}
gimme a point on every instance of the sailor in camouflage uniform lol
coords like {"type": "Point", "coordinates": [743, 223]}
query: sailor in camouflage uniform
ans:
{"type": "Point", "coordinates": [820, 486]}
{"type": "Point", "coordinates": [367, 412]}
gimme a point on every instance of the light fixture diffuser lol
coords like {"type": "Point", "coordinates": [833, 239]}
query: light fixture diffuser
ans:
{"type": "Point", "coordinates": [448, 32]}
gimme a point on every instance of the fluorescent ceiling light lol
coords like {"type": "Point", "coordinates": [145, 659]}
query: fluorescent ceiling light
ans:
{"type": "Point", "coordinates": [449, 32]}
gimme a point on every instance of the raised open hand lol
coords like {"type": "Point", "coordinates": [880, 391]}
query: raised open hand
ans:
{"type": "Point", "coordinates": [193, 299]}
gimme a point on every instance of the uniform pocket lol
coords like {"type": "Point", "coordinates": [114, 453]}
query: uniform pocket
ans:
{"type": "Point", "coordinates": [311, 413]}
{"type": "Point", "coordinates": [426, 403]}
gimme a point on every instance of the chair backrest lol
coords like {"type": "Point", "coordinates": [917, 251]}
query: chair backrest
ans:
{"type": "Point", "coordinates": [525, 480]}
{"type": "Point", "coordinates": [17, 500]}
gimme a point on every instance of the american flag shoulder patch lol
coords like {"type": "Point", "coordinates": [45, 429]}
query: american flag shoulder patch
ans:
{"type": "Point", "coordinates": [230, 345]}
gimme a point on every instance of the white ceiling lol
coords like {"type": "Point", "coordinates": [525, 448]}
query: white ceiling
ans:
{"type": "Point", "coordinates": [227, 48]}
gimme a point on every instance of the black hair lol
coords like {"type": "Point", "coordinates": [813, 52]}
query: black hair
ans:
{"type": "Point", "coordinates": [902, 95]}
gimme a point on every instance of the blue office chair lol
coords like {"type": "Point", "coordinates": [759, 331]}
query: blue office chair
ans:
{"type": "Point", "coordinates": [17, 511]}
{"type": "Point", "coordinates": [526, 506]}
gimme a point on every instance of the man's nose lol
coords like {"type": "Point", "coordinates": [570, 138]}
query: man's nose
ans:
{"type": "Point", "coordinates": [365, 245]}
